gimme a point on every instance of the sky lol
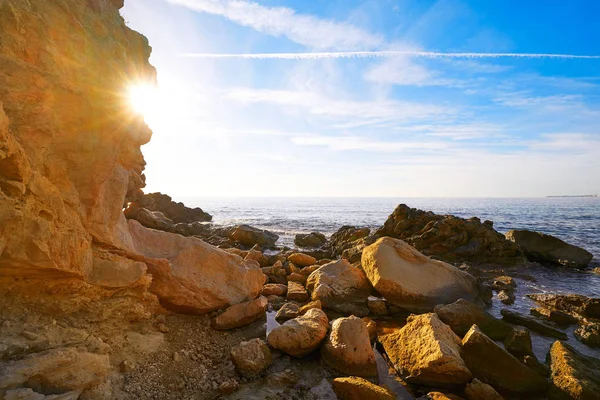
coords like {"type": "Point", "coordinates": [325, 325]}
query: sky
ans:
{"type": "Point", "coordinates": [409, 115]}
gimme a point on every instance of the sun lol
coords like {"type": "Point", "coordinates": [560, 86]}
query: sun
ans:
{"type": "Point", "coordinates": [143, 99]}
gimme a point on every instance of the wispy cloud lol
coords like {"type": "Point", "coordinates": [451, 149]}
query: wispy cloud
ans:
{"type": "Point", "coordinates": [386, 53]}
{"type": "Point", "coordinates": [307, 30]}
{"type": "Point", "coordinates": [344, 143]}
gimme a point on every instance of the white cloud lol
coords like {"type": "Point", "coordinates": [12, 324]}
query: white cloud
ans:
{"type": "Point", "coordinates": [344, 143]}
{"type": "Point", "coordinates": [307, 30]}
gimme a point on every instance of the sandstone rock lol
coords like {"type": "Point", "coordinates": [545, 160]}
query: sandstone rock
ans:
{"type": "Point", "coordinates": [355, 388]}
{"type": "Point", "coordinates": [589, 334]}
{"type": "Point", "coordinates": [573, 375]}
{"type": "Point", "coordinates": [313, 239]}
{"type": "Point", "coordinates": [192, 275]}
{"type": "Point", "coordinates": [341, 287]}
{"type": "Point", "coordinates": [371, 327]}
{"type": "Point", "coordinates": [558, 317]}
{"type": "Point", "coordinates": [251, 358]}
{"type": "Point", "coordinates": [300, 336]}
{"type": "Point", "coordinates": [309, 306]}
{"type": "Point", "coordinates": [296, 292]}
{"type": "Point", "coordinates": [504, 283]}
{"type": "Point", "coordinates": [440, 396]}
{"type": "Point", "coordinates": [533, 363]}
{"type": "Point", "coordinates": [302, 260]}
{"type": "Point", "coordinates": [306, 271]}
{"type": "Point", "coordinates": [58, 370]}
{"type": "Point", "coordinates": [506, 297]}
{"type": "Point", "coordinates": [533, 324]}
{"type": "Point", "coordinates": [345, 238]}
{"type": "Point", "coordinates": [426, 352]}
{"type": "Point", "coordinates": [110, 270]}
{"type": "Point", "coordinates": [258, 257]}
{"type": "Point", "coordinates": [518, 343]}
{"type": "Point", "coordinates": [493, 365]}
{"type": "Point", "coordinates": [296, 277]}
{"type": "Point", "coordinates": [462, 315]}
{"type": "Point", "coordinates": [287, 311]}
{"type": "Point", "coordinates": [276, 289]}
{"type": "Point", "coordinates": [241, 314]}
{"type": "Point", "coordinates": [177, 212]}
{"type": "Point", "coordinates": [348, 348]}
{"type": "Point", "coordinates": [546, 248]}
{"type": "Point", "coordinates": [149, 219]}
{"type": "Point", "coordinates": [450, 238]}
{"type": "Point", "coordinates": [570, 303]}
{"type": "Point", "coordinates": [477, 390]}
{"type": "Point", "coordinates": [377, 306]}
{"type": "Point", "coordinates": [413, 281]}
{"type": "Point", "coordinates": [250, 236]}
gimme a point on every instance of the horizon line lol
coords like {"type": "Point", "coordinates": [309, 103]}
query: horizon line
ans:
{"type": "Point", "coordinates": [384, 53]}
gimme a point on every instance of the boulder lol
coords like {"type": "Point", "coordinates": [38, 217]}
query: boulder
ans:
{"type": "Point", "coordinates": [348, 348]}
{"type": "Point", "coordinates": [340, 287]}
{"type": "Point", "coordinates": [296, 292]}
{"type": "Point", "coordinates": [440, 396]}
{"type": "Point", "coordinates": [310, 305]}
{"type": "Point", "coordinates": [450, 238]}
{"type": "Point", "coordinates": [58, 370]}
{"type": "Point", "coordinates": [276, 289]}
{"type": "Point", "coordinates": [302, 260]}
{"type": "Point", "coordinates": [251, 358]}
{"type": "Point", "coordinates": [518, 343]}
{"type": "Point", "coordinates": [150, 219]}
{"type": "Point", "coordinates": [589, 334]}
{"type": "Point", "coordinates": [413, 281]}
{"type": "Point", "coordinates": [533, 324]}
{"type": "Point", "coordinates": [556, 316]}
{"type": "Point", "coordinates": [377, 306]}
{"type": "Point", "coordinates": [300, 336]}
{"type": "Point", "coordinates": [310, 240]}
{"type": "Point", "coordinates": [574, 304]}
{"type": "Point", "coordinates": [258, 257]}
{"type": "Point", "coordinates": [477, 390]}
{"type": "Point", "coordinates": [493, 365]}
{"type": "Point", "coordinates": [426, 352]}
{"type": "Point", "coordinates": [241, 314]}
{"type": "Point", "coordinates": [355, 388]}
{"type": "Point", "coordinates": [287, 311]}
{"type": "Point", "coordinates": [177, 212]}
{"type": "Point", "coordinates": [462, 315]}
{"type": "Point", "coordinates": [296, 277]}
{"type": "Point", "coordinates": [250, 236]}
{"type": "Point", "coordinates": [192, 276]}
{"type": "Point", "coordinates": [573, 375]}
{"type": "Point", "coordinates": [549, 249]}
{"type": "Point", "coordinates": [346, 238]}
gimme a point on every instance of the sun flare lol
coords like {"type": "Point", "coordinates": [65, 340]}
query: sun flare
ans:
{"type": "Point", "coordinates": [143, 99]}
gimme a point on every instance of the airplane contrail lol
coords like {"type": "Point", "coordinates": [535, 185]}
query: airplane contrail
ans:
{"type": "Point", "coordinates": [385, 53]}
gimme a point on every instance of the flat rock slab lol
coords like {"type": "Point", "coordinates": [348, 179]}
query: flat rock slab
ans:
{"type": "Point", "coordinates": [533, 324]}
{"type": "Point", "coordinates": [573, 375]}
{"type": "Point", "coordinates": [462, 315]}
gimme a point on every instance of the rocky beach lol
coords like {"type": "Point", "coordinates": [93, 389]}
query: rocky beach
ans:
{"type": "Point", "coordinates": [108, 292]}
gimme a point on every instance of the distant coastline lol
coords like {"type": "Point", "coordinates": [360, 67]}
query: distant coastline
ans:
{"type": "Point", "coordinates": [580, 195]}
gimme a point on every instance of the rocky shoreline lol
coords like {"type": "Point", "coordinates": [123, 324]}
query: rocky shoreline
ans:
{"type": "Point", "coordinates": [110, 293]}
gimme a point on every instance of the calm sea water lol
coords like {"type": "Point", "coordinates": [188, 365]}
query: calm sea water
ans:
{"type": "Point", "coordinates": [575, 220]}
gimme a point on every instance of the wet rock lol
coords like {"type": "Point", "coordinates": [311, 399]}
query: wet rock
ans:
{"type": "Point", "coordinates": [241, 314]}
{"type": "Point", "coordinates": [493, 365]}
{"type": "Point", "coordinates": [504, 283]}
{"type": "Point", "coordinates": [573, 375]}
{"type": "Point", "coordinates": [589, 334]}
{"type": "Point", "coordinates": [377, 306]}
{"type": "Point", "coordinates": [287, 311]}
{"type": "Point", "coordinates": [276, 289]}
{"type": "Point", "coordinates": [518, 343]}
{"type": "Point", "coordinates": [340, 287]}
{"type": "Point", "coordinates": [177, 212]}
{"type": "Point", "coordinates": [189, 275]}
{"type": "Point", "coordinates": [302, 260]}
{"type": "Point", "coordinates": [533, 324]}
{"type": "Point", "coordinates": [546, 248]}
{"type": "Point", "coordinates": [59, 370]}
{"type": "Point", "coordinates": [426, 352]}
{"type": "Point", "coordinates": [462, 315]}
{"type": "Point", "coordinates": [250, 236]}
{"type": "Point", "coordinates": [348, 348]}
{"type": "Point", "coordinates": [355, 388]}
{"type": "Point", "coordinates": [570, 303]}
{"type": "Point", "coordinates": [413, 281]}
{"type": "Point", "coordinates": [251, 358]}
{"type": "Point", "coordinates": [300, 336]}
{"type": "Point", "coordinates": [310, 240]}
{"type": "Point", "coordinates": [506, 297]}
{"type": "Point", "coordinates": [558, 317]}
{"type": "Point", "coordinates": [477, 390]}
{"type": "Point", "coordinates": [450, 238]}
{"type": "Point", "coordinates": [296, 292]}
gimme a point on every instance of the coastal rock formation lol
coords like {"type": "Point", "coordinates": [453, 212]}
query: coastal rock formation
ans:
{"type": "Point", "coordinates": [310, 240]}
{"type": "Point", "coordinates": [301, 259]}
{"type": "Point", "coordinates": [462, 315]}
{"type": "Point", "coordinates": [355, 388]}
{"type": "Point", "coordinates": [341, 287]}
{"type": "Point", "coordinates": [413, 281]}
{"type": "Point", "coordinates": [589, 334]}
{"type": "Point", "coordinates": [348, 242]}
{"type": "Point", "coordinates": [177, 212]}
{"type": "Point", "coordinates": [192, 276]}
{"type": "Point", "coordinates": [574, 304]}
{"type": "Point", "coordinates": [549, 249]}
{"type": "Point", "coordinates": [426, 352]}
{"type": "Point", "coordinates": [450, 238]}
{"type": "Point", "coordinates": [348, 348]}
{"type": "Point", "coordinates": [533, 324]}
{"type": "Point", "coordinates": [493, 365]}
{"type": "Point", "coordinates": [573, 375]}
{"type": "Point", "coordinates": [300, 336]}
{"type": "Point", "coordinates": [250, 236]}
{"type": "Point", "coordinates": [477, 390]}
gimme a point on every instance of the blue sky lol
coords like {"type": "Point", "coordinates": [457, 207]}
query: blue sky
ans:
{"type": "Point", "coordinates": [377, 126]}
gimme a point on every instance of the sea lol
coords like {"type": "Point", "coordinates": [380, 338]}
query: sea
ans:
{"type": "Point", "coordinates": [575, 220]}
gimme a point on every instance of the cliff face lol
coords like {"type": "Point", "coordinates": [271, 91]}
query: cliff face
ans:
{"type": "Point", "coordinates": [69, 144]}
